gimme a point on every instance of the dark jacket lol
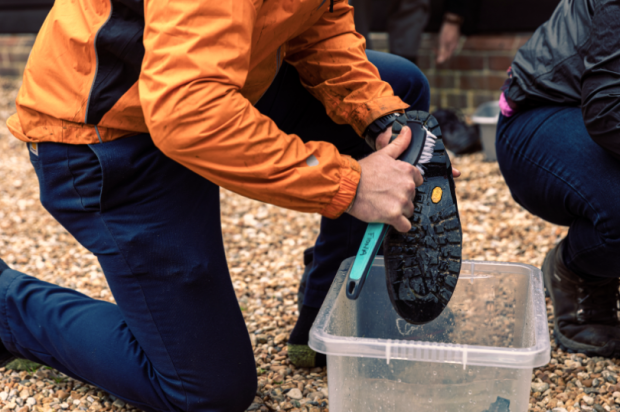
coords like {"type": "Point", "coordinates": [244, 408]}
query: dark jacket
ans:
{"type": "Point", "coordinates": [574, 59]}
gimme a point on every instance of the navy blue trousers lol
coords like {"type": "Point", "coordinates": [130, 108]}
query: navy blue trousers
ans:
{"type": "Point", "coordinates": [176, 340]}
{"type": "Point", "coordinates": [556, 171]}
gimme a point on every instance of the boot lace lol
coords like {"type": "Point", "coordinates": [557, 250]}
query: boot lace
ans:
{"type": "Point", "coordinates": [598, 302]}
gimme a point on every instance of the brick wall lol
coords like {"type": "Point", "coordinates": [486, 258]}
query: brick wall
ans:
{"type": "Point", "coordinates": [14, 51]}
{"type": "Point", "coordinates": [471, 77]}
{"type": "Point", "coordinates": [474, 74]}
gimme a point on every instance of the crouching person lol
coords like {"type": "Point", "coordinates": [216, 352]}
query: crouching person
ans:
{"type": "Point", "coordinates": [558, 147]}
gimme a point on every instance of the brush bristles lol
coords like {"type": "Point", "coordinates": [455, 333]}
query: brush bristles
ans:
{"type": "Point", "coordinates": [427, 152]}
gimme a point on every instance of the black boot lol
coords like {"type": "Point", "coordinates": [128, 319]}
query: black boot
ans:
{"type": "Point", "coordinates": [299, 353]}
{"type": "Point", "coordinates": [301, 292]}
{"type": "Point", "coordinates": [585, 313]}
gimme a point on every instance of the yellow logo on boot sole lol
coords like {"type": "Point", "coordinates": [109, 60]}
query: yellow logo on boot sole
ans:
{"type": "Point", "coordinates": [436, 195]}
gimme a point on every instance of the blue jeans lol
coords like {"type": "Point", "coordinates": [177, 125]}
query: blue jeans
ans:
{"type": "Point", "coordinates": [556, 172]}
{"type": "Point", "coordinates": [176, 340]}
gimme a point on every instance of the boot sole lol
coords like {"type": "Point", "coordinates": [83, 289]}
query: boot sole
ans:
{"type": "Point", "coordinates": [570, 346]}
{"type": "Point", "coordinates": [422, 266]}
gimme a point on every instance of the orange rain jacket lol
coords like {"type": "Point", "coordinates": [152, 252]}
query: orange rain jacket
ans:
{"type": "Point", "coordinates": [189, 72]}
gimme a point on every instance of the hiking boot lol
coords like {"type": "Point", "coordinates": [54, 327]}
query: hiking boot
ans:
{"type": "Point", "coordinates": [585, 313]}
{"type": "Point", "coordinates": [423, 265]}
{"type": "Point", "coordinates": [299, 353]}
{"type": "Point", "coordinates": [301, 291]}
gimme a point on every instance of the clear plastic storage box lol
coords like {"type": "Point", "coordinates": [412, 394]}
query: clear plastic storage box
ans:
{"type": "Point", "coordinates": [477, 356]}
{"type": "Point", "coordinates": [487, 116]}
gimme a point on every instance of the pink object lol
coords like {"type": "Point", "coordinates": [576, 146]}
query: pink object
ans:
{"type": "Point", "coordinates": [504, 107]}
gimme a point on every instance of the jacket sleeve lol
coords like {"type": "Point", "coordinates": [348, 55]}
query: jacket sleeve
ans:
{"type": "Point", "coordinates": [600, 91]}
{"type": "Point", "coordinates": [331, 61]}
{"type": "Point", "coordinates": [197, 56]}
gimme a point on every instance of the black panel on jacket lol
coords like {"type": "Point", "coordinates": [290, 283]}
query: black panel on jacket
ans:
{"type": "Point", "coordinates": [119, 57]}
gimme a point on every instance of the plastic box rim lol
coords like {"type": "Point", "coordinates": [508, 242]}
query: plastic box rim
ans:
{"type": "Point", "coordinates": [517, 358]}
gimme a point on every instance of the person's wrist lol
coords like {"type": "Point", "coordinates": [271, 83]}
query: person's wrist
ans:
{"type": "Point", "coordinates": [453, 18]}
{"type": "Point", "coordinates": [352, 202]}
{"type": "Point", "coordinates": [377, 127]}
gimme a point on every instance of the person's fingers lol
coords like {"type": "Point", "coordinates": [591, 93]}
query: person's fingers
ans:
{"type": "Point", "coordinates": [405, 168]}
{"type": "Point", "coordinates": [402, 224]}
{"type": "Point", "coordinates": [408, 209]}
{"type": "Point", "coordinates": [417, 177]}
{"type": "Point", "coordinates": [441, 53]}
{"type": "Point", "coordinates": [383, 139]}
{"type": "Point", "coordinates": [451, 47]}
{"type": "Point", "coordinates": [455, 172]}
{"type": "Point", "coordinates": [399, 144]}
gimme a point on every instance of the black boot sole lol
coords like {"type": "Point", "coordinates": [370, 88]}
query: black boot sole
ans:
{"type": "Point", "coordinates": [422, 266]}
{"type": "Point", "coordinates": [570, 346]}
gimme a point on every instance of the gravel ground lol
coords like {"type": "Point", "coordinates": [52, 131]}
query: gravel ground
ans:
{"type": "Point", "coordinates": [264, 245]}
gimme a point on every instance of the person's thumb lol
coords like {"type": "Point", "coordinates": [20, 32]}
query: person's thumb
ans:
{"type": "Point", "coordinates": [441, 55]}
{"type": "Point", "coordinates": [399, 144]}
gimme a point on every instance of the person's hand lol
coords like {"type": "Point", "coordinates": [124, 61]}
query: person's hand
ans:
{"type": "Point", "coordinates": [387, 186]}
{"type": "Point", "coordinates": [384, 139]}
{"type": "Point", "coordinates": [448, 40]}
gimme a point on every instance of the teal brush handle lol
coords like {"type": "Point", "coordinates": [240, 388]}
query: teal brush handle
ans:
{"type": "Point", "coordinates": [375, 232]}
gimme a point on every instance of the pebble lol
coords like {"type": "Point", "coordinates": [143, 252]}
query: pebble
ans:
{"type": "Point", "coordinates": [280, 338]}
{"type": "Point", "coordinates": [588, 399]}
{"type": "Point", "coordinates": [294, 394]}
{"type": "Point", "coordinates": [539, 387]}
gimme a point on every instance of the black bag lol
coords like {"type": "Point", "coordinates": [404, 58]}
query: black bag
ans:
{"type": "Point", "coordinates": [458, 137]}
